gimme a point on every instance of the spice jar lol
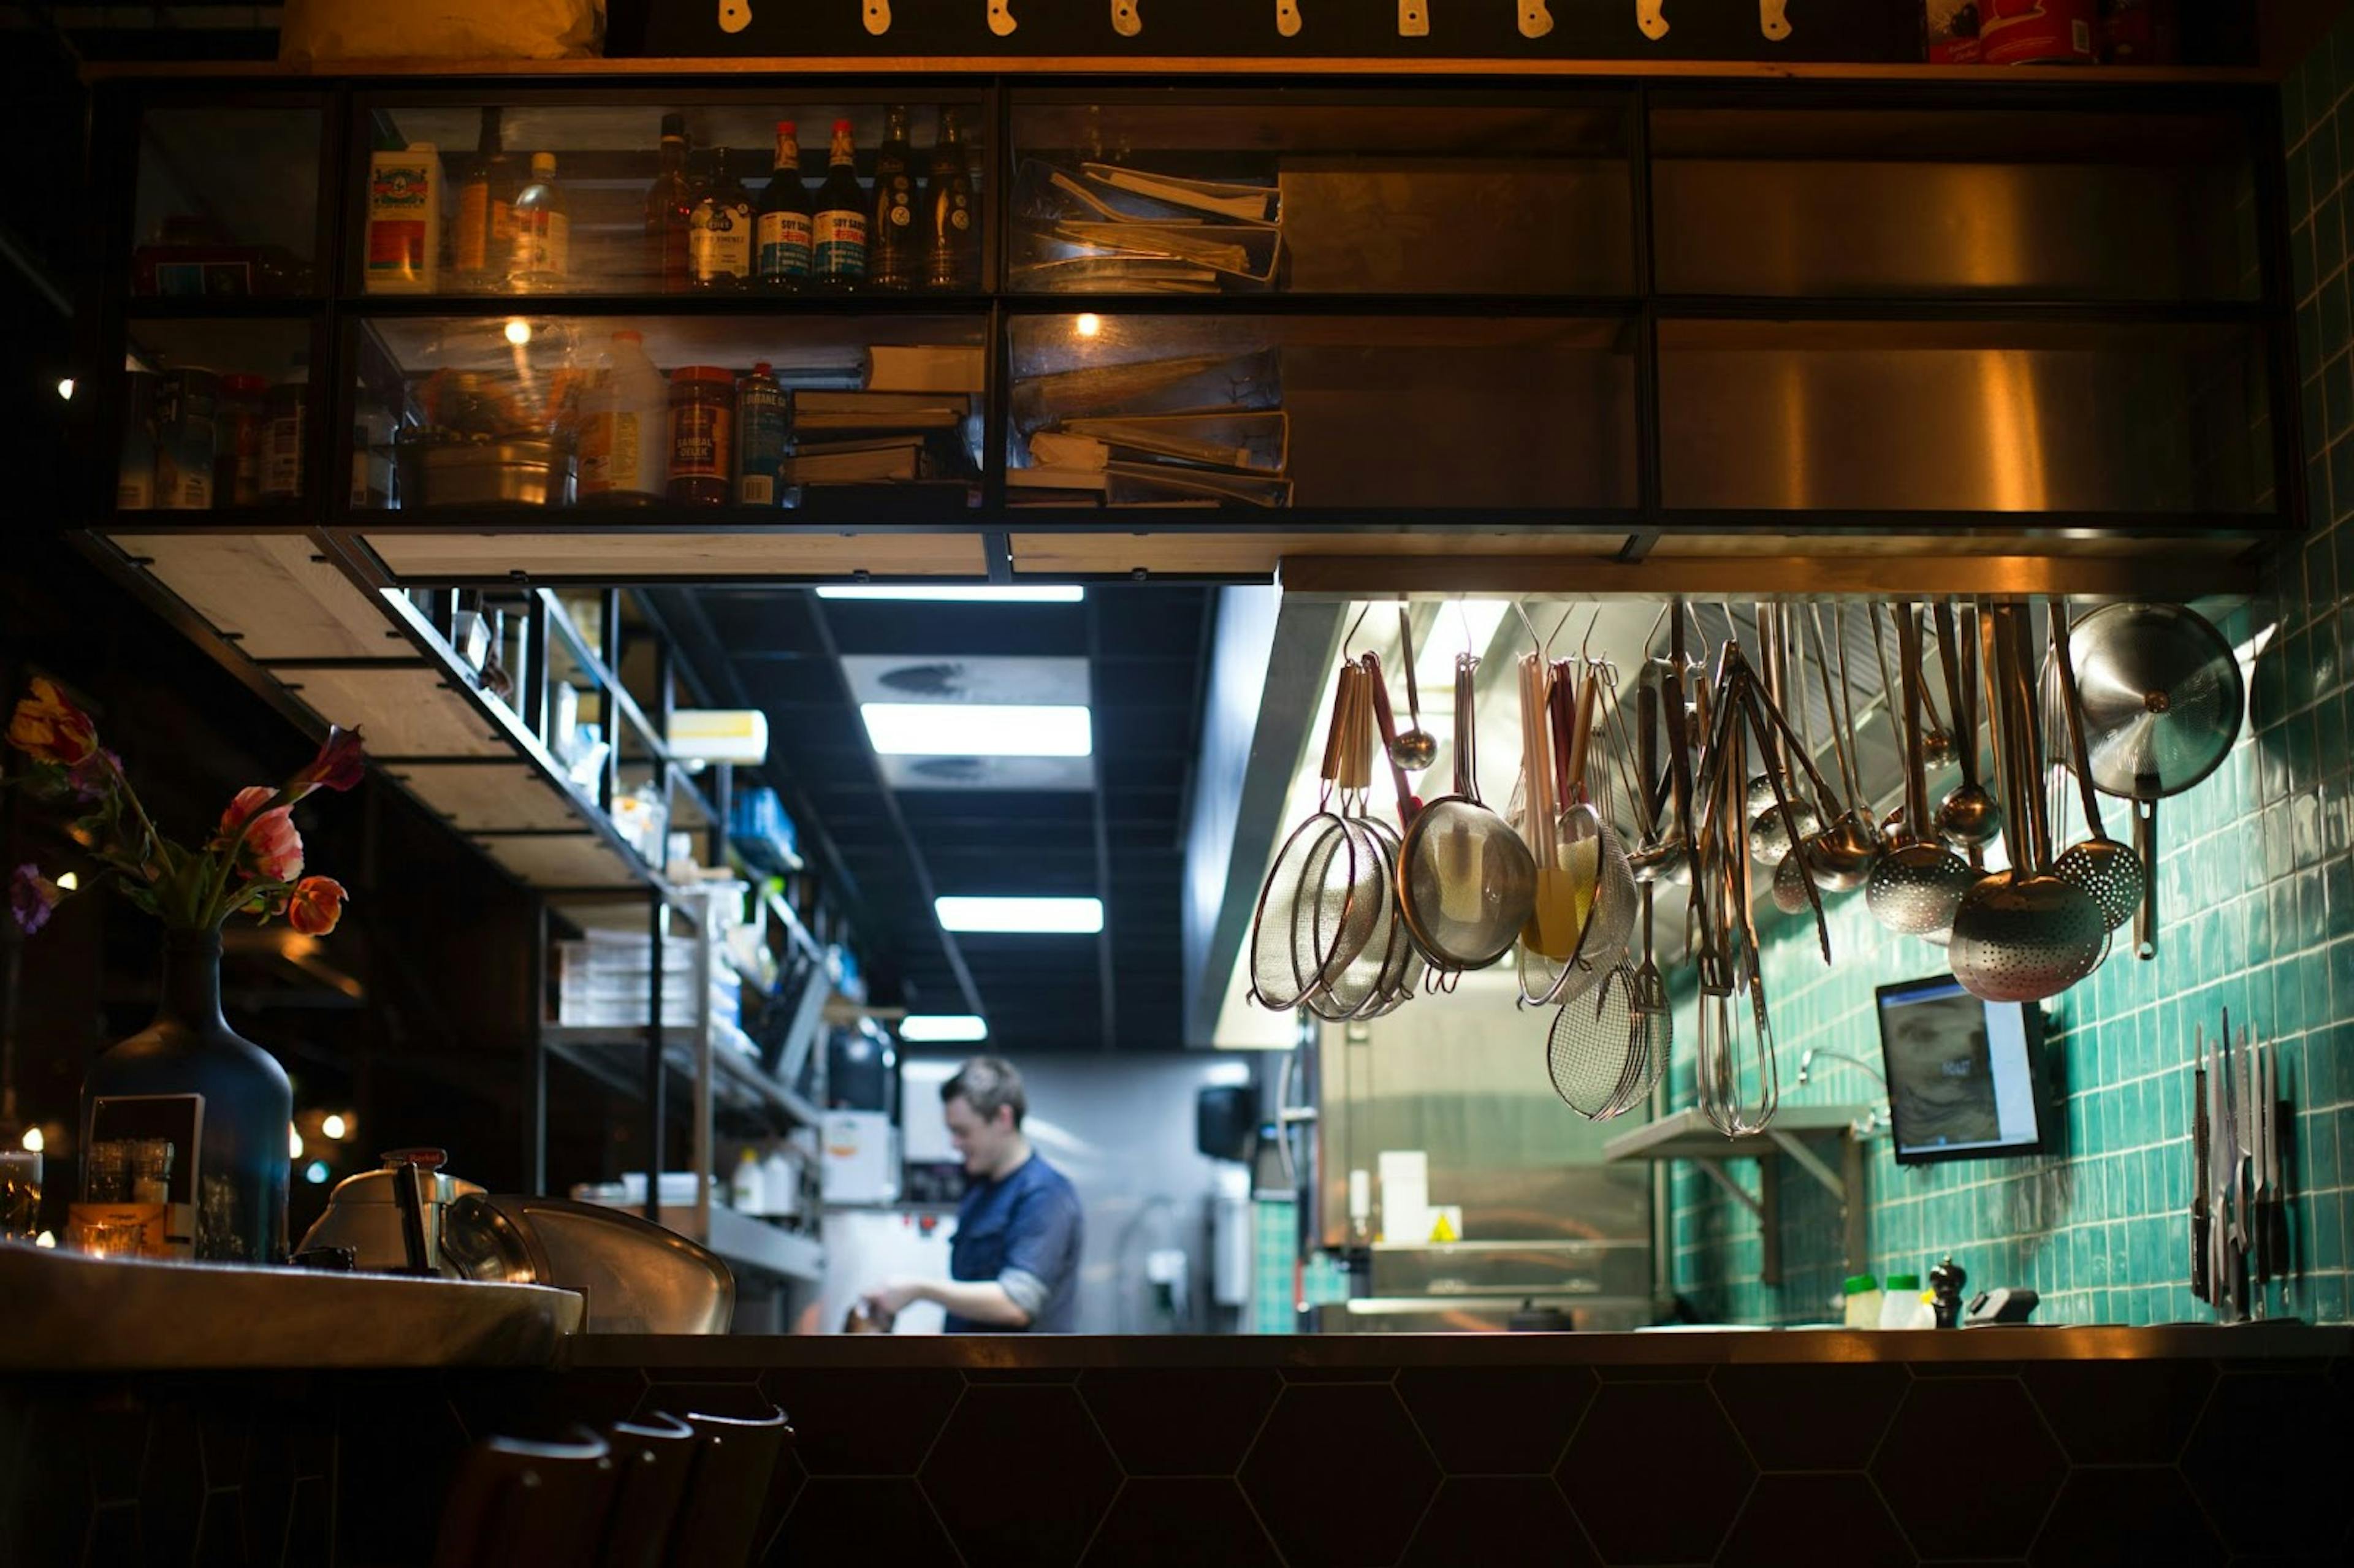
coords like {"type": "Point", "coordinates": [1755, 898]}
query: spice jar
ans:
{"type": "Point", "coordinates": [701, 432]}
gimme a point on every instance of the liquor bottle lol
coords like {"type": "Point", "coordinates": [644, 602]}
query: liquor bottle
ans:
{"type": "Point", "coordinates": [543, 231]}
{"type": "Point", "coordinates": [838, 226]}
{"type": "Point", "coordinates": [896, 251]}
{"type": "Point", "coordinates": [953, 260]}
{"type": "Point", "coordinates": [719, 236]}
{"type": "Point", "coordinates": [669, 205]}
{"type": "Point", "coordinates": [783, 232]}
{"type": "Point", "coordinates": [485, 230]}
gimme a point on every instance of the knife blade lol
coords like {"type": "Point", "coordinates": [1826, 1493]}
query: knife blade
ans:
{"type": "Point", "coordinates": [2201, 1286]}
{"type": "Point", "coordinates": [2260, 1196]}
{"type": "Point", "coordinates": [2278, 1166]}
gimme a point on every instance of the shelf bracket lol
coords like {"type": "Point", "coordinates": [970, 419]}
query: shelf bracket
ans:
{"type": "Point", "coordinates": [1791, 1144]}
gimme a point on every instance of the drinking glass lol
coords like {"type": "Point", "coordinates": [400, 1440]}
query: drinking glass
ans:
{"type": "Point", "coordinates": [20, 1194]}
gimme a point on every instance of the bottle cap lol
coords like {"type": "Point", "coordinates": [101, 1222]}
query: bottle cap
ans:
{"type": "Point", "coordinates": [543, 163]}
{"type": "Point", "coordinates": [760, 369]}
{"type": "Point", "coordinates": [1904, 1282]}
{"type": "Point", "coordinates": [841, 127]}
{"type": "Point", "coordinates": [673, 125]}
{"type": "Point", "coordinates": [784, 127]}
{"type": "Point", "coordinates": [1857, 1283]}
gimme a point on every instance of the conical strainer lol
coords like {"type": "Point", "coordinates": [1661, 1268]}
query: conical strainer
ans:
{"type": "Point", "coordinates": [2162, 699]}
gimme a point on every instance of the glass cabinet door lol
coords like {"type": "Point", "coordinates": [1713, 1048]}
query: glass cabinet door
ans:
{"type": "Point", "coordinates": [216, 416]}
{"type": "Point", "coordinates": [227, 202]}
{"type": "Point", "coordinates": [1315, 193]}
{"type": "Point", "coordinates": [612, 413]}
{"type": "Point", "coordinates": [652, 197]}
{"type": "Point", "coordinates": [1264, 412]}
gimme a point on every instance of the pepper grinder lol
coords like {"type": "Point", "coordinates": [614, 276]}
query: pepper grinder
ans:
{"type": "Point", "coordinates": [1945, 1282]}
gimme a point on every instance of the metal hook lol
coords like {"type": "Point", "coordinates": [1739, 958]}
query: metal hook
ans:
{"type": "Point", "coordinates": [1519, 610]}
{"type": "Point", "coordinates": [1353, 626]}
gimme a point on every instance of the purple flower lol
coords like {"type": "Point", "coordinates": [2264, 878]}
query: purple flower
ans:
{"type": "Point", "coordinates": [32, 897]}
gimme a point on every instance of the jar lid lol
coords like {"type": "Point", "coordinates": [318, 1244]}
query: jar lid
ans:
{"type": "Point", "coordinates": [1857, 1283]}
{"type": "Point", "coordinates": [1904, 1282]}
{"type": "Point", "coordinates": [703, 373]}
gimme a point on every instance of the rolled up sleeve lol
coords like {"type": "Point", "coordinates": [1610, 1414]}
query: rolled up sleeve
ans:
{"type": "Point", "coordinates": [1041, 1237]}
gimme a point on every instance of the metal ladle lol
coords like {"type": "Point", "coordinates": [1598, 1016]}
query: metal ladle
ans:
{"type": "Point", "coordinates": [1416, 748]}
{"type": "Point", "coordinates": [2108, 871]}
{"type": "Point", "coordinates": [1970, 818]}
{"type": "Point", "coordinates": [1919, 884]}
{"type": "Point", "coordinates": [1841, 856]}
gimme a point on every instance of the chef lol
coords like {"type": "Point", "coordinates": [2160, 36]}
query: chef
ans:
{"type": "Point", "coordinates": [1014, 1262]}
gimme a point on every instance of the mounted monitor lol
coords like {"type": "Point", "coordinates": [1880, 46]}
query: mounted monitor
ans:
{"type": "Point", "coordinates": [1965, 1076]}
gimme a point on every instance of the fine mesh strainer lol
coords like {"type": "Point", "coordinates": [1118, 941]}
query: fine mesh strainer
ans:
{"type": "Point", "coordinates": [1594, 1053]}
{"type": "Point", "coordinates": [1311, 903]}
{"type": "Point", "coordinates": [1918, 885]}
{"type": "Point", "coordinates": [2108, 871]}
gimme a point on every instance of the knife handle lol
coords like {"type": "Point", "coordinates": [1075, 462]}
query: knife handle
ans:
{"type": "Point", "coordinates": [2201, 1286]}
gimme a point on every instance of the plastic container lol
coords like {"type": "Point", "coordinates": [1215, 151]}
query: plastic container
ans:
{"type": "Point", "coordinates": [701, 434]}
{"type": "Point", "coordinates": [744, 1188]}
{"type": "Point", "coordinates": [403, 255]}
{"type": "Point", "coordinates": [1902, 1305]}
{"type": "Point", "coordinates": [625, 430]}
{"type": "Point", "coordinates": [1863, 1297]}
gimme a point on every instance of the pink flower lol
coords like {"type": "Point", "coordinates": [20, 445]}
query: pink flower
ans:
{"type": "Point", "coordinates": [272, 849]}
{"type": "Point", "coordinates": [339, 765]}
{"type": "Point", "coordinates": [250, 800]}
{"type": "Point", "coordinates": [32, 898]}
{"type": "Point", "coordinates": [316, 903]}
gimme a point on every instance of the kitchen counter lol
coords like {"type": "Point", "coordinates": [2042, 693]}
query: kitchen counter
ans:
{"type": "Point", "coordinates": [2077, 1446]}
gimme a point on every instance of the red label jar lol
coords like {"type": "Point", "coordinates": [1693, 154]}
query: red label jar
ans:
{"type": "Point", "coordinates": [701, 434]}
{"type": "Point", "coordinates": [2038, 32]}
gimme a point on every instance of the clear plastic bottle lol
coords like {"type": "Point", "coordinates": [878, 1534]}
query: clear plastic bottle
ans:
{"type": "Point", "coordinates": [744, 1187]}
{"type": "Point", "coordinates": [625, 435]}
{"type": "Point", "coordinates": [1862, 1293]}
{"type": "Point", "coordinates": [543, 231]}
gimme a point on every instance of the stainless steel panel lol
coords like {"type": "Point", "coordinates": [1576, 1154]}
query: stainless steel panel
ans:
{"type": "Point", "coordinates": [1465, 1083]}
{"type": "Point", "coordinates": [1514, 1269]}
{"type": "Point", "coordinates": [1409, 1315]}
{"type": "Point", "coordinates": [2001, 416]}
{"type": "Point", "coordinates": [2109, 231]}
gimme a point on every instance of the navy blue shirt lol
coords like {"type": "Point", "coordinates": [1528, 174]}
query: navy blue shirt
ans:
{"type": "Point", "coordinates": [1023, 1231]}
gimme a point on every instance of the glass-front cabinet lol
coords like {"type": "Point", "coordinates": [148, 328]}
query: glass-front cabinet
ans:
{"type": "Point", "coordinates": [1785, 307]}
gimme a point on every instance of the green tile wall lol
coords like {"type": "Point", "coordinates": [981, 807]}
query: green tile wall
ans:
{"type": "Point", "coordinates": [2256, 893]}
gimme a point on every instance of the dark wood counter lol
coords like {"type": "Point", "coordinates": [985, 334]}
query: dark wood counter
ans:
{"type": "Point", "coordinates": [2073, 1445]}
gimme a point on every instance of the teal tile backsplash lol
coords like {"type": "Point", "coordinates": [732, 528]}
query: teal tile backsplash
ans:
{"type": "Point", "coordinates": [2256, 900]}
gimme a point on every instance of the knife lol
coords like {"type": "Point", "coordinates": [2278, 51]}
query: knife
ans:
{"type": "Point", "coordinates": [2274, 1109]}
{"type": "Point", "coordinates": [2259, 1205]}
{"type": "Point", "coordinates": [2201, 1286]}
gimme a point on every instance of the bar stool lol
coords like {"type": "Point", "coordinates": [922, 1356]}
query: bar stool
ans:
{"type": "Point", "coordinates": [653, 1458]}
{"type": "Point", "coordinates": [514, 1502]}
{"type": "Point", "coordinates": [727, 1498]}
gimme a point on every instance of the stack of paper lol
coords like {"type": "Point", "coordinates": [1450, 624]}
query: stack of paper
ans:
{"type": "Point", "coordinates": [1105, 226]}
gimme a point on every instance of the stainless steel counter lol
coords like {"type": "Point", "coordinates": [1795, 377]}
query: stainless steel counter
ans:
{"type": "Point", "coordinates": [66, 1312]}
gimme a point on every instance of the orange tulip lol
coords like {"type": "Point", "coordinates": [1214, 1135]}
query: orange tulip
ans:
{"type": "Point", "coordinates": [48, 727]}
{"type": "Point", "coordinates": [315, 906]}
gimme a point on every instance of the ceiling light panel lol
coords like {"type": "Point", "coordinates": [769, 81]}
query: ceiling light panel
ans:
{"type": "Point", "coordinates": [1024, 916]}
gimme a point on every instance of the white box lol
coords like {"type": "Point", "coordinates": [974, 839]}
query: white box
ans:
{"type": "Point", "coordinates": [860, 1153]}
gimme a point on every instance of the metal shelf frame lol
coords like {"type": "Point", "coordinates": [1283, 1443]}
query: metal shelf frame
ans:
{"type": "Point", "coordinates": [352, 110]}
{"type": "Point", "coordinates": [1794, 1129]}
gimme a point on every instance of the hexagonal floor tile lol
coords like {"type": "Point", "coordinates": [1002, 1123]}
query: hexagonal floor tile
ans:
{"type": "Point", "coordinates": [867, 1422]}
{"type": "Point", "coordinates": [1811, 1417]}
{"type": "Point", "coordinates": [1830, 1520]}
{"type": "Point", "coordinates": [861, 1520]}
{"type": "Point", "coordinates": [2144, 1515]}
{"type": "Point", "coordinates": [1497, 1420]}
{"type": "Point", "coordinates": [1192, 1423]}
{"type": "Point", "coordinates": [1990, 1508]}
{"type": "Point", "coordinates": [1191, 1522]}
{"type": "Point", "coordinates": [1021, 1476]}
{"type": "Point", "coordinates": [1339, 1475]}
{"type": "Point", "coordinates": [2120, 1413]}
{"type": "Point", "coordinates": [1642, 1444]}
{"type": "Point", "coordinates": [2270, 1459]}
{"type": "Point", "coordinates": [1488, 1521]}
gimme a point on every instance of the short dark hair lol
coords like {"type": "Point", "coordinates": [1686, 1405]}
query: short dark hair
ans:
{"type": "Point", "coordinates": [985, 1083]}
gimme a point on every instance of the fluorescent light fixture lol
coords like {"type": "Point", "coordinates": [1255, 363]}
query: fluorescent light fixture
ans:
{"type": "Point", "coordinates": [942, 1029]}
{"type": "Point", "coordinates": [1058, 916]}
{"type": "Point", "coordinates": [1042, 594]}
{"type": "Point", "coordinates": [978, 729]}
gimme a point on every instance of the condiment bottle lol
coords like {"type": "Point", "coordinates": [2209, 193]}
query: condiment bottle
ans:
{"type": "Point", "coordinates": [953, 259]}
{"type": "Point", "coordinates": [719, 235]}
{"type": "Point", "coordinates": [894, 245]}
{"type": "Point", "coordinates": [669, 205]}
{"type": "Point", "coordinates": [701, 434]}
{"type": "Point", "coordinates": [838, 229]}
{"type": "Point", "coordinates": [1862, 1294]}
{"type": "Point", "coordinates": [543, 230]}
{"type": "Point", "coordinates": [782, 230]}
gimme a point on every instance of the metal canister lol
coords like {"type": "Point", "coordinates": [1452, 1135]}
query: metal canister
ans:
{"type": "Point", "coordinates": [134, 482]}
{"type": "Point", "coordinates": [187, 437]}
{"type": "Point", "coordinates": [761, 431]}
{"type": "Point", "coordinates": [2038, 32]}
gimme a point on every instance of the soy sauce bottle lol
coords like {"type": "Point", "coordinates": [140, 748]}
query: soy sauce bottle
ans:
{"type": "Point", "coordinates": [838, 226]}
